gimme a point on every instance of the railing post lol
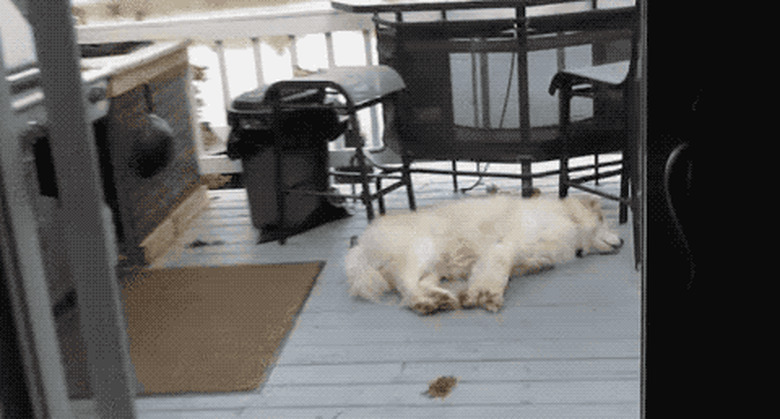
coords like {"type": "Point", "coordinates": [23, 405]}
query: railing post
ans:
{"type": "Point", "coordinates": [258, 61]}
{"type": "Point", "coordinates": [376, 138]}
{"type": "Point", "coordinates": [293, 52]}
{"type": "Point", "coordinates": [330, 50]}
{"type": "Point", "coordinates": [368, 47]}
{"type": "Point", "coordinates": [223, 72]}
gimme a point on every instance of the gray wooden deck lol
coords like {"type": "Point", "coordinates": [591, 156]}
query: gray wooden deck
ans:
{"type": "Point", "coordinates": [566, 343]}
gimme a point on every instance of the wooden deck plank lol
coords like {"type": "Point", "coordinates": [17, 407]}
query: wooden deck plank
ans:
{"type": "Point", "coordinates": [571, 411]}
{"type": "Point", "coordinates": [85, 409]}
{"type": "Point", "coordinates": [541, 326]}
{"type": "Point", "coordinates": [466, 393]}
{"type": "Point", "coordinates": [491, 349]}
{"type": "Point", "coordinates": [603, 411]}
{"type": "Point", "coordinates": [496, 393]}
{"type": "Point", "coordinates": [540, 330]}
{"type": "Point", "coordinates": [435, 409]}
{"type": "Point", "coordinates": [478, 371]}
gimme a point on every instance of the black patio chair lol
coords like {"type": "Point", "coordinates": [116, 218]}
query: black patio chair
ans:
{"type": "Point", "coordinates": [611, 87]}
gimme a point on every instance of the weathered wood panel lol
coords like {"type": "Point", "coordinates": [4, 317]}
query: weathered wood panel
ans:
{"type": "Point", "coordinates": [143, 203]}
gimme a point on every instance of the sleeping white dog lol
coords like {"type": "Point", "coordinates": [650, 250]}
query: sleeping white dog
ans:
{"type": "Point", "coordinates": [477, 242]}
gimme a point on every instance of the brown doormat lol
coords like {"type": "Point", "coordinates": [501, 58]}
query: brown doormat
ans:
{"type": "Point", "coordinates": [212, 329]}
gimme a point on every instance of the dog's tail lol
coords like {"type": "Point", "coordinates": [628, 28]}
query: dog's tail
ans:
{"type": "Point", "coordinates": [363, 278]}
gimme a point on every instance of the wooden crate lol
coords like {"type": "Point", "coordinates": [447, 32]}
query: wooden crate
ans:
{"type": "Point", "coordinates": [144, 207]}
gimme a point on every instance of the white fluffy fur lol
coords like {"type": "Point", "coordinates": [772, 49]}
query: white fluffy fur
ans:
{"type": "Point", "coordinates": [482, 241]}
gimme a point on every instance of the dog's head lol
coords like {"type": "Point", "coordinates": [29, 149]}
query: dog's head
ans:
{"type": "Point", "coordinates": [597, 237]}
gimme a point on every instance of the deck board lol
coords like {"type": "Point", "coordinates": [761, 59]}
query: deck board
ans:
{"type": "Point", "coordinates": [566, 343]}
{"type": "Point", "coordinates": [481, 370]}
{"type": "Point", "coordinates": [491, 349]}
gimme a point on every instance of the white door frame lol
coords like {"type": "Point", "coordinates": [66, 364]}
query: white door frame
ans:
{"type": "Point", "coordinates": [87, 225]}
{"type": "Point", "coordinates": [23, 270]}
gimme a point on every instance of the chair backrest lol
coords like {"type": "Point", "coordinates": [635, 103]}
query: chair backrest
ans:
{"type": "Point", "coordinates": [449, 63]}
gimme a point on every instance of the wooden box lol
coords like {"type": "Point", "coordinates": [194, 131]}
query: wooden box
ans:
{"type": "Point", "coordinates": [149, 212]}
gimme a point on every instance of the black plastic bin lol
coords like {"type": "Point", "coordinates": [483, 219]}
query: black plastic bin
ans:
{"type": "Point", "coordinates": [284, 154]}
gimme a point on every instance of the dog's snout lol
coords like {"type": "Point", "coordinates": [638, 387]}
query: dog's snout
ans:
{"type": "Point", "coordinates": [615, 247]}
{"type": "Point", "coordinates": [578, 253]}
{"type": "Point", "coordinates": [606, 246]}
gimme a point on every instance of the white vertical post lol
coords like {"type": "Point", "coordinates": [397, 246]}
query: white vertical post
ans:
{"type": "Point", "coordinates": [200, 147]}
{"type": "Point", "coordinates": [293, 53]}
{"type": "Point", "coordinates": [85, 224]}
{"type": "Point", "coordinates": [368, 47]}
{"type": "Point", "coordinates": [223, 72]}
{"type": "Point", "coordinates": [560, 56]}
{"type": "Point", "coordinates": [330, 50]}
{"type": "Point", "coordinates": [22, 267]}
{"type": "Point", "coordinates": [375, 135]}
{"type": "Point", "coordinates": [331, 54]}
{"type": "Point", "coordinates": [258, 61]}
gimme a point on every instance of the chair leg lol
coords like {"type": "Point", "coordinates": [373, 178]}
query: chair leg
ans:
{"type": "Point", "coordinates": [596, 168]}
{"type": "Point", "coordinates": [279, 186]}
{"type": "Point", "coordinates": [406, 177]}
{"type": "Point", "coordinates": [564, 108]}
{"type": "Point", "coordinates": [527, 183]}
{"type": "Point", "coordinates": [454, 176]}
{"type": "Point", "coordinates": [380, 196]}
{"type": "Point", "coordinates": [563, 178]}
{"type": "Point", "coordinates": [365, 194]}
{"type": "Point", "coordinates": [624, 191]}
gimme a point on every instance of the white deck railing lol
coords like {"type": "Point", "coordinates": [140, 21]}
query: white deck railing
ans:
{"type": "Point", "coordinates": [217, 30]}
{"type": "Point", "coordinates": [253, 28]}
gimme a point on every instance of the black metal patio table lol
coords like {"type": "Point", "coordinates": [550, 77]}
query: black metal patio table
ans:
{"type": "Point", "coordinates": [421, 50]}
{"type": "Point", "coordinates": [380, 6]}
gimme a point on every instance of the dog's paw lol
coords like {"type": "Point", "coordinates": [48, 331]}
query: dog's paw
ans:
{"type": "Point", "coordinates": [434, 302]}
{"type": "Point", "coordinates": [425, 307]}
{"type": "Point", "coordinates": [489, 300]}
